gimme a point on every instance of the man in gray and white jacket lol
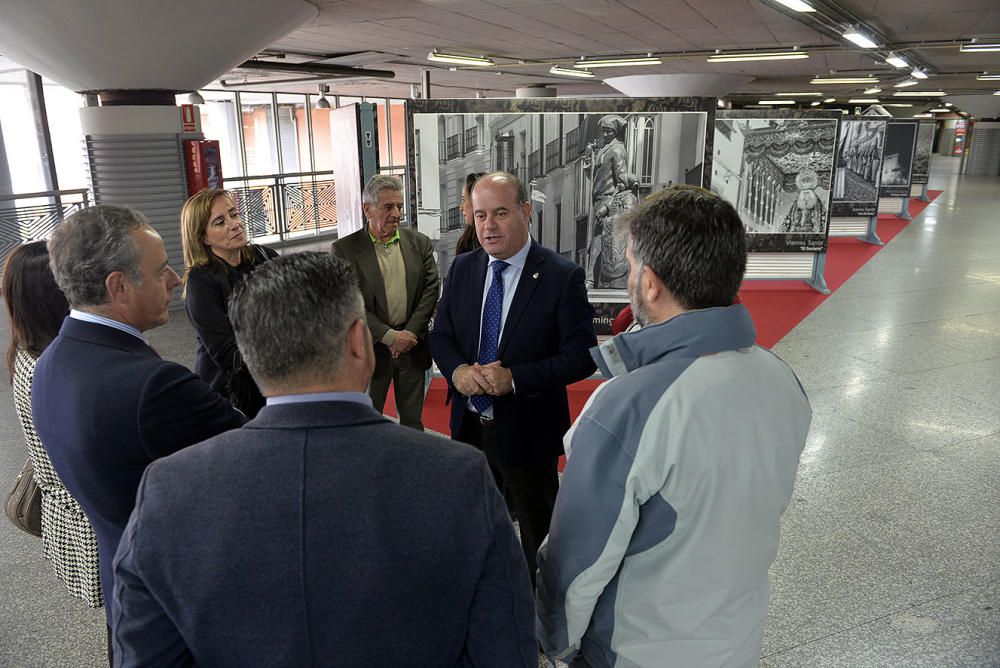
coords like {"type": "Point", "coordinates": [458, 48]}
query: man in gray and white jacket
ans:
{"type": "Point", "coordinates": [679, 466]}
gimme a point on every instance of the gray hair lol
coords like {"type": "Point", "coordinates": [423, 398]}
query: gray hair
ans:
{"type": "Point", "coordinates": [291, 317]}
{"type": "Point", "coordinates": [90, 245]}
{"type": "Point", "coordinates": [377, 184]}
{"type": "Point", "coordinates": [522, 192]}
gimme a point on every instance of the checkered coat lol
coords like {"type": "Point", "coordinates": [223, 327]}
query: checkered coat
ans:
{"type": "Point", "coordinates": [68, 540]}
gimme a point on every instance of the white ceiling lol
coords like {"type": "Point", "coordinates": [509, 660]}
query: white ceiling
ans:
{"type": "Point", "coordinates": [526, 37]}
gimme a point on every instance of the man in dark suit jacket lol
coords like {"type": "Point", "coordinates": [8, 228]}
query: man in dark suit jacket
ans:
{"type": "Point", "coordinates": [105, 404]}
{"type": "Point", "coordinates": [509, 393]}
{"type": "Point", "coordinates": [321, 533]}
{"type": "Point", "coordinates": [399, 283]}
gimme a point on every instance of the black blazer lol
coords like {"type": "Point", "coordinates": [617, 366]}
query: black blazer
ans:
{"type": "Point", "coordinates": [105, 406]}
{"type": "Point", "coordinates": [546, 343]}
{"type": "Point", "coordinates": [206, 301]}
{"type": "Point", "coordinates": [322, 534]}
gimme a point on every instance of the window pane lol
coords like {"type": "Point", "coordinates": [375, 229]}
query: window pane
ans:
{"type": "Point", "coordinates": [63, 109]}
{"type": "Point", "coordinates": [258, 134]}
{"type": "Point", "coordinates": [321, 134]}
{"type": "Point", "coordinates": [397, 133]}
{"type": "Point", "coordinates": [19, 136]}
{"type": "Point", "coordinates": [218, 122]}
{"type": "Point", "coordinates": [294, 133]}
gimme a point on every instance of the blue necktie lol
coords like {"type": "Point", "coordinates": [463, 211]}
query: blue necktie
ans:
{"type": "Point", "coordinates": [489, 333]}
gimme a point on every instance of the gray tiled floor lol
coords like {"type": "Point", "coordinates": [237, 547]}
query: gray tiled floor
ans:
{"type": "Point", "coordinates": [890, 553]}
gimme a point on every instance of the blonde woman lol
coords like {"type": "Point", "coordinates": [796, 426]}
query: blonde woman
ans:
{"type": "Point", "coordinates": [216, 258]}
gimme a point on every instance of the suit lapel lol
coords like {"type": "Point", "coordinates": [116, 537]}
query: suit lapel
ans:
{"type": "Point", "coordinates": [475, 294]}
{"type": "Point", "coordinates": [368, 265]}
{"type": "Point", "coordinates": [413, 264]}
{"type": "Point", "coordinates": [530, 276]}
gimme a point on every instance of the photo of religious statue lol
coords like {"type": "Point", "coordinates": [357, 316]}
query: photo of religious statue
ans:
{"type": "Point", "coordinates": [777, 172]}
{"type": "Point", "coordinates": [900, 142]}
{"type": "Point", "coordinates": [858, 167]}
{"type": "Point", "coordinates": [614, 191]}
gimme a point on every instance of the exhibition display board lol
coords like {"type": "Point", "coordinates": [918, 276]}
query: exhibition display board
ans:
{"type": "Point", "coordinates": [858, 174]}
{"type": "Point", "coordinates": [776, 167]}
{"type": "Point", "coordinates": [584, 161]}
{"type": "Point", "coordinates": [897, 164]}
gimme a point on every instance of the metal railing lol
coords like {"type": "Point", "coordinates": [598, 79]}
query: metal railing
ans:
{"type": "Point", "coordinates": [286, 206]}
{"type": "Point", "coordinates": [472, 140]}
{"type": "Point", "coordinates": [534, 164]}
{"type": "Point", "coordinates": [453, 220]}
{"type": "Point", "coordinates": [31, 216]}
{"type": "Point", "coordinates": [453, 147]}
{"type": "Point", "coordinates": [553, 155]}
{"type": "Point", "coordinates": [573, 147]}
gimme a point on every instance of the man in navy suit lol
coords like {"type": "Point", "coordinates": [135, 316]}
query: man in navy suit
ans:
{"type": "Point", "coordinates": [321, 533]}
{"type": "Point", "coordinates": [513, 329]}
{"type": "Point", "coordinates": [105, 404]}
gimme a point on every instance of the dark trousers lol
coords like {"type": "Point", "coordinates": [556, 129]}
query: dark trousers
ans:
{"type": "Point", "coordinates": [407, 379]}
{"type": "Point", "coordinates": [111, 655]}
{"type": "Point", "coordinates": [531, 492]}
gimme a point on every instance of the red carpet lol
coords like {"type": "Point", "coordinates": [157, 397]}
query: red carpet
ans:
{"type": "Point", "coordinates": [776, 307]}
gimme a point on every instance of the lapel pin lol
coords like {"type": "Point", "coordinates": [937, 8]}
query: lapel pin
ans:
{"type": "Point", "coordinates": [535, 275]}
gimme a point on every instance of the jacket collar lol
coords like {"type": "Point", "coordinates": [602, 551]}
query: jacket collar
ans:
{"type": "Point", "coordinates": [316, 415]}
{"type": "Point", "coordinates": [688, 335]}
{"type": "Point", "coordinates": [103, 335]}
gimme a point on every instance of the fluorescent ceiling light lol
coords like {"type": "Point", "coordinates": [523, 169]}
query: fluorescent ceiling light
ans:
{"type": "Point", "coordinates": [872, 91]}
{"type": "Point", "coordinates": [919, 93]}
{"type": "Point", "coordinates": [617, 62]}
{"type": "Point", "coordinates": [922, 116]}
{"type": "Point", "coordinates": [747, 56]}
{"type": "Point", "coordinates": [815, 104]}
{"type": "Point", "coordinates": [908, 82]}
{"type": "Point", "coordinates": [996, 92]}
{"type": "Point", "coordinates": [975, 46]}
{"type": "Point", "coordinates": [942, 110]}
{"type": "Point", "coordinates": [798, 94]}
{"type": "Point", "coordinates": [896, 61]}
{"type": "Point", "coordinates": [819, 81]}
{"type": "Point", "coordinates": [567, 72]}
{"type": "Point", "coordinates": [863, 100]}
{"type": "Point", "coordinates": [457, 59]}
{"type": "Point", "coordinates": [830, 100]}
{"type": "Point", "coordinates": [986, 76]}
{"type": "Point", "coordinates": [918, 73]}
{"type": "Point", "coordinates": [797, 5]}
{"type": "Point", "coordinates": [948, 104]}
{"type": "Point", "coordinates": [900, 105]}
{"type": "Point", "coordinates": [776, 102]}
{"type": "Point", "coordinates": [859, 38]}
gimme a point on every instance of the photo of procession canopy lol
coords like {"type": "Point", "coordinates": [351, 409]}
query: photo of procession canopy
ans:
{"type": "Point", "coordinates": [777, 172]}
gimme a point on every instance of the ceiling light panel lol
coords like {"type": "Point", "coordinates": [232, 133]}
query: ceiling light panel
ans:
{"type": "Point", "coordinates": [568, 72]}
{"type": "Point", "coordinates": [617, 62]}
{"type": "Point", "coordinates": [859, 38]}
{"type": "Point", "coordinates": [459, 59]}
{"type": "Point", "coordinates": [820, 81]}
{"type": "Point", "coordinates": [751, 56]}
{"type": "Point", "coordinates": [796, 5]}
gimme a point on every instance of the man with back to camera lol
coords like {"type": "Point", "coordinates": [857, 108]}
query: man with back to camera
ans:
{"type": "Point", "coordinates": [321, 533]}
{"type": "Point", "coordinates": [399, 282]}
{"type": "Point", "coordinates": [105, 404]}
{"type": "Point", "coordinates": [513, 329]}
{"type": "Point", "coordinates": [679, 466]}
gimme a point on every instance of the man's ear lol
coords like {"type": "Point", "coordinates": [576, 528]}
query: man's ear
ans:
{"type": "Point", "coordinates": [367, 208]}
{"type": "Point", "coordinates": [358, 340]}
{"type": "Point", "coordinates": [117, 285]}
{"type": "Point", "coordinates": [651, 285]}
{"type": "Point", "coordinates": [526, 210]}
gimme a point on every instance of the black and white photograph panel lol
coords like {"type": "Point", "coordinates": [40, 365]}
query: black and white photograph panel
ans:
{"type": "Point", "coordinates": [900, 141]}
{"type": "Point", "coordinates": [582, 171]}
{"type": "Point", "coordinates": [859, 167]}
{"type": "Point", "coordinates": [922, 154]}
{"type": "Point", "coordinates": [777, 172]}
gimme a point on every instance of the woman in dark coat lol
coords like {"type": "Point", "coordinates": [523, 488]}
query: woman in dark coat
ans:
{"type": "Point", "coordinates": [468, 241]}
{"type": "Point", "coordinates": [216, 258]}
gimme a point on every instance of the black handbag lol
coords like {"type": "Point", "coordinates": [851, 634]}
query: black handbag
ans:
{"type": "Point", "coordinates": [23, 505]}
{"type": "Point", "coordinates": [242, 390]}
